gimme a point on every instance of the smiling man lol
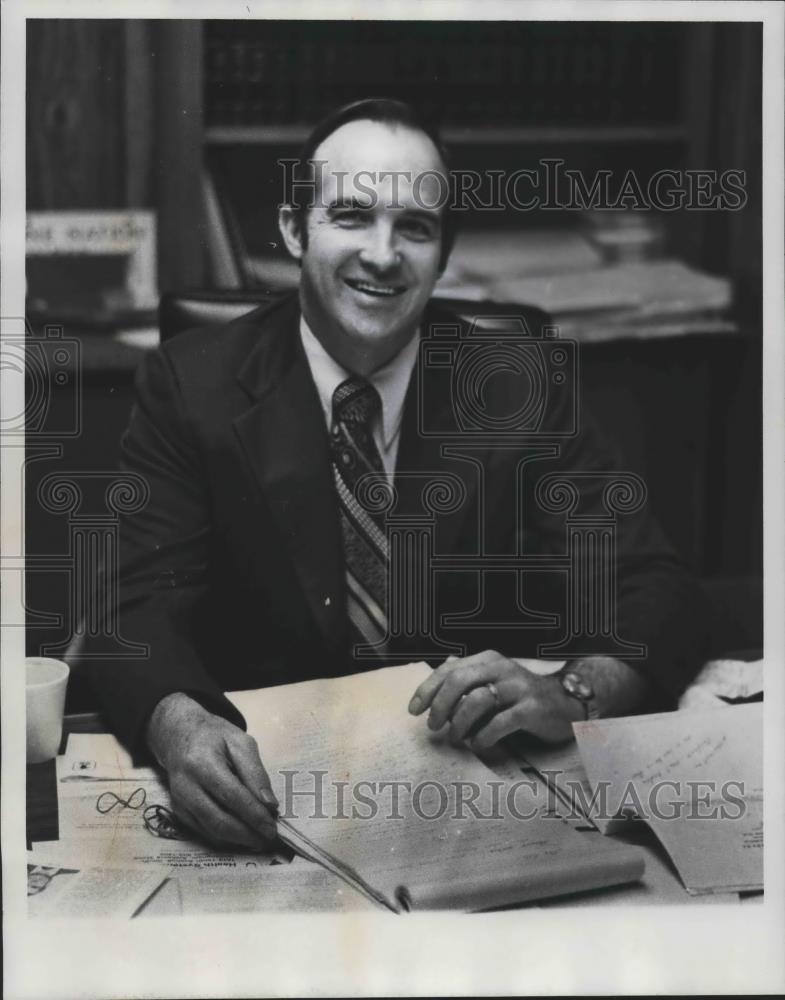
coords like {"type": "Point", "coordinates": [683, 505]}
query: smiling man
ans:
{"type": "Point", "coordinates": [257, 561]}
{"type": "Point", "coordinates": [370, 246]}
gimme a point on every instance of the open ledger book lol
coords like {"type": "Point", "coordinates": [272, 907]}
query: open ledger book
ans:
{"type": "Point", "coordinates": [371, 794]}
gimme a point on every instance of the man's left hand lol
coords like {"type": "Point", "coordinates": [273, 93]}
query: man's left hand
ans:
{"type": "Point", "coordinates": [457, 693]}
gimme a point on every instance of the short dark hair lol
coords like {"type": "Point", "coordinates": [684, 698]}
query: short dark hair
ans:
{"type": "Point", "coordinates": [376, 109]}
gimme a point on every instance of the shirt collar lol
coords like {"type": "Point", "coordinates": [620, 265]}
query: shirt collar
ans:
{"type": "Point", "coordinates": [391, 381]}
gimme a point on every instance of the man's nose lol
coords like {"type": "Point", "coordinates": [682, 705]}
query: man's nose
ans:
{"type": "Point", "coordinates": [380, 251]}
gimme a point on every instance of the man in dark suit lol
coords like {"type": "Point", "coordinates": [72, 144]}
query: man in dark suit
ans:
{"type": "Point", "coordinates": [261, 557]}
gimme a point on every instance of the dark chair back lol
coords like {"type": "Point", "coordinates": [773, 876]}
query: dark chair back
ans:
{"type": "Point", "coordinates": [180, 311]}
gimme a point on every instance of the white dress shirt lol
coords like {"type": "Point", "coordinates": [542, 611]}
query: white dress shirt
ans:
{"type": "Point", "coordinates": [391, 382]}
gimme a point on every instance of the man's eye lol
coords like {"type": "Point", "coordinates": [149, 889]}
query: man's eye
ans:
{"type": "Point", "coordinates": [351, 218]}
{"type": "Point", "coordinates": [417, 229]}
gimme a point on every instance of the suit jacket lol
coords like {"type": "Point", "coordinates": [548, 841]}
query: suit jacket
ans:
{"type": "Point", "coordinates": [232, 574]}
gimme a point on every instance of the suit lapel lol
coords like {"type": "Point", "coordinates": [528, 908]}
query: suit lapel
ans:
{"type": "Point", "coordinates": [284, 440]}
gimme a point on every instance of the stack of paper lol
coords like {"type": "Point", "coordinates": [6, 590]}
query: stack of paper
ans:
{"type": "Point", "coordinates": [562, 273]}
{"type": "Point", "coordinates": [487, 256]}
{"type": "Point", "coordinates": [695, 776]}
{"type": "Point", "coordinates": [697, 780]}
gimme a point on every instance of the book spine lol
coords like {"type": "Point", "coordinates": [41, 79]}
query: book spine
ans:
{"type": "Point", "coordinates": [502, 74]}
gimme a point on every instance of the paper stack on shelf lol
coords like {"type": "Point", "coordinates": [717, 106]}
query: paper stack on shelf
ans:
{"type": "Point", "coordinates": [493, 255]}
{"type": "Point", "coordinates": [562, 273]}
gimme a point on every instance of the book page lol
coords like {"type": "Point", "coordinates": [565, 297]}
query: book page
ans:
{"type": "Point", "coordinates": [423, 822]}
{"type": "Point", "coordinates": [696, 778]}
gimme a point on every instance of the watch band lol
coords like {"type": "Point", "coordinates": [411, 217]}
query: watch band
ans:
{"type": "Point", "coordinates": [580, 689]}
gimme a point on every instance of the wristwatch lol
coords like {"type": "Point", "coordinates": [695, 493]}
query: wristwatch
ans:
{"type": "Point", "coordinates": [578, 687]}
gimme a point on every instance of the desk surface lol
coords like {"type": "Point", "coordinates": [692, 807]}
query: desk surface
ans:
{"type": "Point", "coordinates": [660, 883]}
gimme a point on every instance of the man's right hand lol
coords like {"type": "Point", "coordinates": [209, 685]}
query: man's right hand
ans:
{"type": "Point", "coordinates": [217, 781]}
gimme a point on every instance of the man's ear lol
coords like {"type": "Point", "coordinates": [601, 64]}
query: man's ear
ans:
{"type": "Point", "coordinates": [289, 222]}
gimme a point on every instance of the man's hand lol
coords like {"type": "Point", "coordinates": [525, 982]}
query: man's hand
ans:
{"type": "Point", "coordinates": [217, 781]}
{"type": "Point", "coordinates": [457, 693]}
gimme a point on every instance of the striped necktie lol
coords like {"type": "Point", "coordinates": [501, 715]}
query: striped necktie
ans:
{"type": "Point", "coordinates": [354, 454]}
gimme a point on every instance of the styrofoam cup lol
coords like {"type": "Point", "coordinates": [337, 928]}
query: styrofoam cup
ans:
{"type": "Point", "coordinates": [45, 683]}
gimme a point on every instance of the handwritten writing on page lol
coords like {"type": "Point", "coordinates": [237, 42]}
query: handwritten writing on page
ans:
{"type": "Point", "coordinates": [697, 779]}
{"type": "Point", "coordinates": [323, 742]}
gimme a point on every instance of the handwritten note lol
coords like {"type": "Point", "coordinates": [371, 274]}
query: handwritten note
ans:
{"type": "Point", "coordinates": [696, 778]}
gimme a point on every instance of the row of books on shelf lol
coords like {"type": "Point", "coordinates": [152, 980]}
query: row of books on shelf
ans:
{"type": "Point", "coordinates": [566, 272]}
{"type": "Point", "coordinates": [501, 74]}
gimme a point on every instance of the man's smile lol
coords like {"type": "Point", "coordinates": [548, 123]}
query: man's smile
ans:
{"type": "Point", "coordinates": [375, 289]}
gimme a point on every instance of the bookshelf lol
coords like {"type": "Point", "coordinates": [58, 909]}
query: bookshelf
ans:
{"type": "Point", "coordinates": [501, 91]}
{"type": "Point", "coordinates": [251, 135]}
{"type": "Point", "coordinates": [482, 73]}
{"type": "Point", "coordinates": [601, 95]}
{"type": "Point", "coordinates": [149, 105]}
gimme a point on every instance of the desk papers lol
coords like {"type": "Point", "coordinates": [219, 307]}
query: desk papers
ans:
{"type": "Point", "coordinates": [101, 801]}
{"type": "Point", "coordinates": [697, 779]}
{"type": "Point", "coordinates": [325, 740]}
{"type": "Point", "coordinates": [59, 888]}
{"type": "Point", "coordinates": [335, 748]}
{"type": "Point", "coordinates": [107, 860]}
{"type": "Point", "coordinates": [410, 842]}
{"type": "Point", "coordinates": [293, 888]}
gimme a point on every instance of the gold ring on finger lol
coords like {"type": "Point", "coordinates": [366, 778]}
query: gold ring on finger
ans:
{"type": "Point", "coordinates": [495, 692]}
